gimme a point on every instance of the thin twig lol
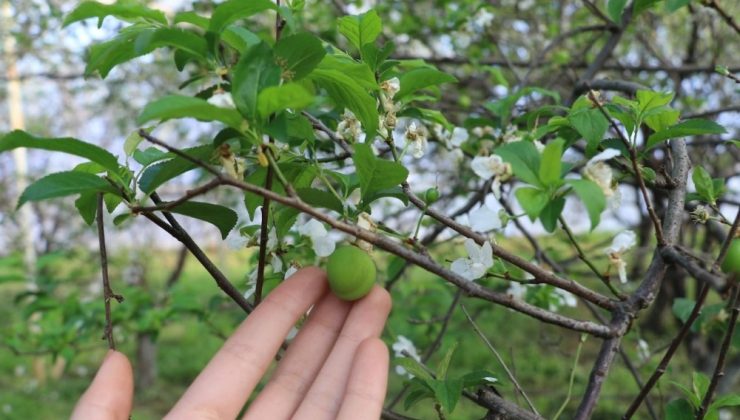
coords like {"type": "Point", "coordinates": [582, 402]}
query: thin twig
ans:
{"type": "Point", "coordinates": [695, 312]}
{"type": "Point", "coordinates": [636, 168]}
{"type": "Point", "coordinates": [424, 261]}
{"type": "Point", "coordinates": [500, 360]}
{"type": "Point", "coordinates": [107, 291]}
{"type": "Point", "coordinates": [585, 259]}
{"type": "Point", "coordinates": [581, 340]}
{"type": "Point", "coordinates": [712, 4]}
{"type": "Point", "coordinates": [719, 367]}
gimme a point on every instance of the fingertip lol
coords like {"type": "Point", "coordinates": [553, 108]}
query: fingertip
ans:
{"type": "Point", "coordinates": [374, 348]}
{"type": "Point", "coordinates": [110, 395]}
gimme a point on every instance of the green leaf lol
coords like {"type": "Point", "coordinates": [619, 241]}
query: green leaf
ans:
{"type": "Point", "coordinates": [418, 390]}
{"type": "Point", "coordinates": [704, 184]}
{"type": "Point", "coordinates": [615, 9]}
{"type": "Point", "coordinates": [700, 384]}
{"type": "Point", "coordinates": [673, 5]}
{"type": "Point", "coordinates": [149, 155]}
{"type": "Point", "coordinates": [278, 98]}
{"type": "Point", "coordinates": [376, 174]}
{"type": "Point", "coordinates": [479, 377]}
{"type": "Point", "coordinates": [360, 73]}
{"type": "Point", "coordinates": [591, 124]}
{"type": "Point", "coordinates": [320, 198]}
{"type": "Point", "coordinates": [181, 39]}
{"type": "Point", "coordinates": [504, 107]}
{"type": "Point", "coordinates": [414, 368]}
{"type": "Point", "coordinates": [421, 78]}
{"type": "Point", "coordinates": [524, 159]}
{"type": "Point", "coordinates": [127, 10]}
{"type": "Point", "coordinates": [731, 400]}
{"type": "Point", "coordinates": [255, 71]}
{"type": "Point", "coordinates": [679, 409]}
{"type": "Point", "coordinates": [67, 145]}
{"type": "Point", "coordinates": [592, 197]}
{"type": "Point", "coordinates": [550, 214]}
{"type": "Point", "coordinates": [532, 200]}
{"type": "Point", "coordinates": [362, 29]}
{"type": "Point", "coordinates": [691, 127]}
{"type": "Point", "coordinates": [346, 93]}
{"type": "Point", "coordinates": [444, 364]}
{"type": "Point", "coordinates": [393, 192]}
{"type": "Point", "coordinates": [550, 167]}
{"type": "Point", "coordinates": [87, 206]}
{"type": "Point", "coordinates": [648, 100]}
{"type": "Point", "coordinates": [643, 5]}
{"type": "Point", "coordinates": [662, 120]}
{"type": "Point", "coordinates": [138, 40]}
{"type": "Point", "coordinates": [682, 307]}
{"type": "Point", "coordinates": [447, 392]}
{"type": "Point", "coordinates": [230, 11]}
{"type": "Point", "coordinates": [158, 174]}
{"type": "Point", "coordinates": [298, 55]}
{"type": "Point", "coordinates": [177, 106]}
{"type": "Point", "coordinates": [222, 217]}
{"type": "Point", "coordinates": [62, 184]}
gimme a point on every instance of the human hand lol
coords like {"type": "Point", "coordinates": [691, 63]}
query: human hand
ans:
{"type": "Point", "coordinates": [336, 367]}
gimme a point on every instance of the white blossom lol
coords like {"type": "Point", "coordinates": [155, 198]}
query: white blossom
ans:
{"type": "Point", "coordinates": [480, 21]}
{"type": "Point", "coordinates": [598, 171]}
{"type": "Point", "coordinates": [235, 239]}
{"type": "Point", "coordinates": [492, 166]}
{"type": "Point", "coordinates": [484, 219]}
{"type": "Point", "coordinates": [222, 99]}
{"type": "Point", "coordinates": [462, 39]}
{"type": "Point", "coordinates": [251, 284]}
{"type": "Point", "coordinates": [480, 259]}
{"type": "Point", "coordinates": [403, 347]}
{"type": "Point", "coordinates": [621, 244]}
{"type": "Point", "coordinates": [643, 350]}
{"type": "Point", "coordinates": [323, 245]}
{"type": "Point", "coordinates": [276, 263]}
{"type": "Point", "coordinates": [565, 298]}
{"type": "Point", "coordinates": [418, 139]}
{"type": "Point", "coordinates": [459, 136]}
{"type": "Point", "coordinates": [292, 269]}
{"type": "Point", "coordinates": [390, 87]}
{"type": "Point", "coordinates": [517, 290]}
{"type": "Point", "coordinates": [350, 128]}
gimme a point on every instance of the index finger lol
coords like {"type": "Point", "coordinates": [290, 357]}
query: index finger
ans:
{"type": "Point", "coordinates": [222, 388]}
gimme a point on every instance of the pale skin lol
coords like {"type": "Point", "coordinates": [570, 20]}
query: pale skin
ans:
{"type": "Point", "coordinates": [335, 368]}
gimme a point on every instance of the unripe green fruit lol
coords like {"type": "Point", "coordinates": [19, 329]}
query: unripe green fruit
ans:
{"type": "Point", "coordinates": [731, 264]}
{"type": "Point", "coordinates": [431, 195]}
{"type": "Point", "coordinates": [351, 273]}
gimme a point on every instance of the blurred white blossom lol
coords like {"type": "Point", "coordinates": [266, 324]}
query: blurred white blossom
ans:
{"type": "Point", "coordinates": [643, 350]}
{"type": "Point", "coordinates": [222, 99]}
{"type": "Point", "coordinates": [480, 259]}
{"type": "Point", "coordinates": [403, 347]}
{"type": "Point", "coordinates": [292, 269]}
{"type": "Point", "coordinates": [411, 134]}
{"type": "Point", "coordinates": [459, 136]}
{"type": "Point", "coordinates": [350, 128]}
{"type": "Point", "coordinates": [565, 298]}
{"type": "Point", "coordinates": [323, 244]}
{"type": "Point", "coordinates": [598, 171]}
{"type": "Point", "coordinates": [484, 219]}
{"type": "Point", "coordinates": [492, 166]}
{"type": "Point", "coordinates": [480, 21]}
{"type": "Point", "coordinates": [621, 244]}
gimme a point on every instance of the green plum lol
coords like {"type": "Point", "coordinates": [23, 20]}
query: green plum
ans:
{"type": "Point", "coordinates": [351, 273]}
